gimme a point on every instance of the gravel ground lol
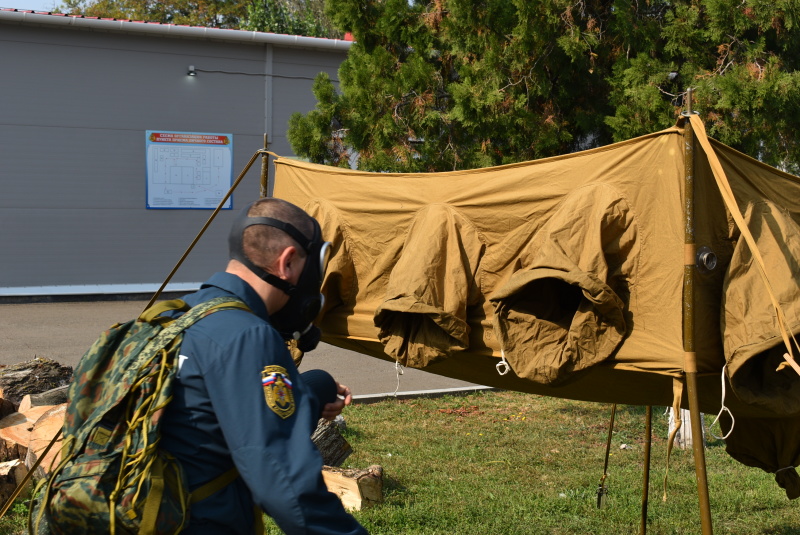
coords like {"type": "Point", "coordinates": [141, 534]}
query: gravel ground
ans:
{"type": "Point", "coordinates": [63, 332]}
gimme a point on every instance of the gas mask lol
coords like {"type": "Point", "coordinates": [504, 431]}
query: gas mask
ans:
{"type": "Point", "coordinates": [294, 320]}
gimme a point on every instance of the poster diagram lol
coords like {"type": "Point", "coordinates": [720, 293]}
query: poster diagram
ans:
{"type": "Point", "coordinates": [188, 170]}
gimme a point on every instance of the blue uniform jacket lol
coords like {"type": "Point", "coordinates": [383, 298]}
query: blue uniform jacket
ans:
{"type": "Point", "coordinates": [220, 417]}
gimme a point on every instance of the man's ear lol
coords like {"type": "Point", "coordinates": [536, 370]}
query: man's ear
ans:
{"type": "Point", "coordinates": [287, 262]}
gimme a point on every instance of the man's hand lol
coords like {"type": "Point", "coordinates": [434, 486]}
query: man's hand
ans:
{"type": "Point", "coordinates": [332, 410]}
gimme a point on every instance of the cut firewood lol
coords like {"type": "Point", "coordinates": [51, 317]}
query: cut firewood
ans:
{"type": "Point", "coordinates": [11, 475]}
{"type": "Point", "coordinates": [45, 428]}
{"type": "Point", "coordinates": [356, 489]}
{"type": "Point", "coordinates": [15, 431]}
{"type": "Point", "coordinates": [31, 377]}
{"type": "Point", "coordinates": [55, 396]}
{"type": "Point", "coordinates": [330, 443]}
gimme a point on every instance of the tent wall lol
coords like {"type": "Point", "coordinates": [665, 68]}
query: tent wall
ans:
{"type": "Point", "coordinates": [570, 267]}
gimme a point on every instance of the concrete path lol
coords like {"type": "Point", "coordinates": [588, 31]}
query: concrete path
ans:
{"type": "Point", "coordinates": [63, 332]}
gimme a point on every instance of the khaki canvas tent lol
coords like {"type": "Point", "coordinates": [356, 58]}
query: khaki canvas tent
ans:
{"type": "Point", "coordinates": [584, 274]}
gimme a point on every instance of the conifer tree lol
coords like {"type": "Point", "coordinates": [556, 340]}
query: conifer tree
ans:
{"type": "Point", "coordinates": [452, 84]}
{"type": "Point", "coordinates": [294, 17]}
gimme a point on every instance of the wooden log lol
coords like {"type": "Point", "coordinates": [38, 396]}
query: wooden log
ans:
{"type": "Point", "coordinates": [356, 489]}
{"type": "Point", "coordinates": [55, 396]}
{"type": "Point", "coordinates": [15, 431]}
{"type": "Point", "coordinates": [44, 429]}
{"type": "Point", "coordinates": [11, 475]}
{"type": "Point", "coordinates": [31, 377]}
{"type": "Point", "coordinates": [330, 443]}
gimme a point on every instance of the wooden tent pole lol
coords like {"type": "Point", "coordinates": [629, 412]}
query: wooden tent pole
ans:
{"type": "Point", "coordinates": [690, 356]}
{"type": "Point", "coordinates": [648, 441]}
{"type": "Point", "coordinates": [265, 168]}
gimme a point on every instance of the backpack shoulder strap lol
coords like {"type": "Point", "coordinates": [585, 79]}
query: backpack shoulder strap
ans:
{"type": "Point", "coordinates": [176, 327]}
{"type": "Point", "coordinates": [159, 308]}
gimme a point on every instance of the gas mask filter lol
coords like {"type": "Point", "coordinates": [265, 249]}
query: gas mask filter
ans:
{"type": "Point", "coordinates": [295, 319]}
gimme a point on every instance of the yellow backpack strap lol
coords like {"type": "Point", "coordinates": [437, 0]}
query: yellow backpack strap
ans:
{"type": "Point", "coordinates": [215, 485]}
{"type": "Point", "coordinates": [233, 304]}
{"type": "Point", "coordinates": [153, 502]}
{"type": "Point", "coordinates": [159, 308]}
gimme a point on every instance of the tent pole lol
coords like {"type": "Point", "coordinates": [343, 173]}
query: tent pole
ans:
{"type": "Point", "coordinates": [265, 169]}
{"type": "Point", "coordinates": [690, 357]}
{"type": "Point", "coordinates": [648, 440]}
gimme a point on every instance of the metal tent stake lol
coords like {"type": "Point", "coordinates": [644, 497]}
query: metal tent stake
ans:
{"type": "Point", "coordinates": [690, 357]}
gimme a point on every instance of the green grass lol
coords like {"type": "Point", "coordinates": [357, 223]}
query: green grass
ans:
{"type": "Point", "coordinates": [509, 463]}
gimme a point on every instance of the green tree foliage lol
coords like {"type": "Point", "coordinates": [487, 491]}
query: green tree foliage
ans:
{"type": "Point", "coordinates": [451, 84]}
{"type": "Point", "coordinates": [295, 17]}
{"type": "Point", "coordinates": [208, 13]}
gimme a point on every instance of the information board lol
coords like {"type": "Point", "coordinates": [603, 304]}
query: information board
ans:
{"type": "Point", "coordinates": [188, 170]}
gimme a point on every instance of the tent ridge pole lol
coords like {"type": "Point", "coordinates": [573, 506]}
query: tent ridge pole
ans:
{"type": "Point", "coordinates": [690, 356]}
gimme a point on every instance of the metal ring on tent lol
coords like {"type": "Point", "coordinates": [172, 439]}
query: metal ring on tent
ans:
{"type": "Point", "coordinates": [706, 260]}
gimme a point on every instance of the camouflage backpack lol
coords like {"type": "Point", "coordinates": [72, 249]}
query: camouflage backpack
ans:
{"type": "Point", "coordinates": [112, 476]}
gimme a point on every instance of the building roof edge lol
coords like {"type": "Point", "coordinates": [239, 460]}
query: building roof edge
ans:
{"type": "Point", "coordinates": [36, 18]}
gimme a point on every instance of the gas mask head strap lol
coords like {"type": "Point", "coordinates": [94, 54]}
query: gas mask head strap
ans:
{"type": "Point", "coordinates": [236, 246]}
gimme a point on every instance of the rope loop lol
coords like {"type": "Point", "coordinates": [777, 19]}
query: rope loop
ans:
{"type": "Point", "coordinates": [723, 409]}
{"type": "Point", "coordinates": [502, 367]}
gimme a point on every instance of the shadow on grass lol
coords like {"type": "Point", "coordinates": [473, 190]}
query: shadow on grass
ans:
{"type": "Point", "coordinates": [349, 433]}
{"type": "Point", "coordinates": [782, 530]}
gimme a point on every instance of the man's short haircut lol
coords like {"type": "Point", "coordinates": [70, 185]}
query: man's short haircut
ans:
{"type": "Point", "coordinates": [263, 244]}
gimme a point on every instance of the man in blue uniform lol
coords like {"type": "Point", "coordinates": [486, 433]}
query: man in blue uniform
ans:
{"type": "Point", "coordinates": [238, 397]}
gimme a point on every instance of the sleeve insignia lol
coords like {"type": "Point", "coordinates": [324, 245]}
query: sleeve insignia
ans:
{"type": "Point", "coordinates": [278, 390]}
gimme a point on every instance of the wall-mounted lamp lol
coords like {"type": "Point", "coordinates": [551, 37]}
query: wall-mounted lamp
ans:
{"type": "Point", "coordinates": [192, 72]}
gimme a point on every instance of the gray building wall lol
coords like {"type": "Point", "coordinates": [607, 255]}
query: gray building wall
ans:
{"type": "Point", "coordinates": [75, 104]}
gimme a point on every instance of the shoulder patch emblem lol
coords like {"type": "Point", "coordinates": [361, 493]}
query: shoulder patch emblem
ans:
{"type": "Point", "coordinates": [278, 390]}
